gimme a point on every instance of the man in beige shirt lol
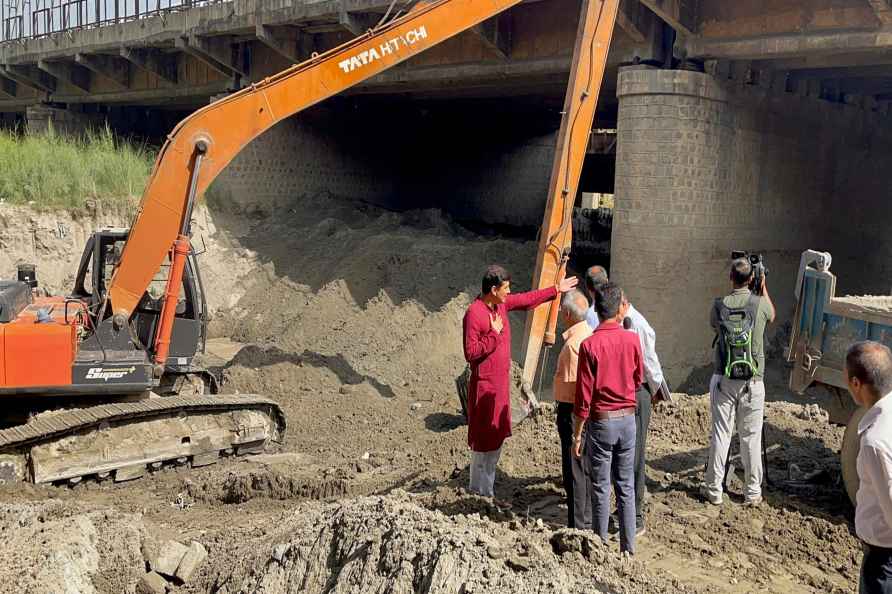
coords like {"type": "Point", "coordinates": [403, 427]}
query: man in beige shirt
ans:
{"type": "Point", "coordinates": [575, 471]}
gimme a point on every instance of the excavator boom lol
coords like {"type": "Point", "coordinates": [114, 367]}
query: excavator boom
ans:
{"type": "Point", "coordinates": [228, 125]}
{"type": "Point", "coordinates": [595, 31]}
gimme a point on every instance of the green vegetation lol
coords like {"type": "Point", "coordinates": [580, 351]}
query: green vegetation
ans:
{"type": "Point", "coordinates": [50, 170]}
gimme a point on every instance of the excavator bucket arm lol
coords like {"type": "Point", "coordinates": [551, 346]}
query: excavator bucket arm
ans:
{"type": "Point", "coordinates": [586, 75]}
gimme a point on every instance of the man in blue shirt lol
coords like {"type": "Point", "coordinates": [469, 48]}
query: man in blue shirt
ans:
{"type": "Point", "coordinates": [596, 276]}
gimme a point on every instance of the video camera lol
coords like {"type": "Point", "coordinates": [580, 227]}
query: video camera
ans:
{"type": "Point", "coordinates": [760, 271]}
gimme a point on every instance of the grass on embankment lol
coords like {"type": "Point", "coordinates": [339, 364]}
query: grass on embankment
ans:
{"type": "Point", "coordinates": [50, 170]}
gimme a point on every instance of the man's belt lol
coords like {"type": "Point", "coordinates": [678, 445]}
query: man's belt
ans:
{"type": "Point", "coordinates": [613, 414]}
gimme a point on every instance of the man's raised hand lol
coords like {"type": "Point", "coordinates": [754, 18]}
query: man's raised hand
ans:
{"type": "Point", "coordinates": [497, 323]}
{"type": "Point", "coordinates": [567, 284]}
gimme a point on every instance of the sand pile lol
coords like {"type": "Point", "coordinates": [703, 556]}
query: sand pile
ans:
{"type": "Point", "coordinates": [391, 544]}
{"type": "Point", "coordinates": [373, 297]}
{"type": "Point", "coordinates": [877, 304]}
{"type": "Point", "coordinates": [355, 316]}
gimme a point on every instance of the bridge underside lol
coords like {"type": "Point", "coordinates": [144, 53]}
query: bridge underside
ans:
{"type": "Point", "coordinates": [180, 59]}
{"type": "Point", "coordinates": [757, 124]}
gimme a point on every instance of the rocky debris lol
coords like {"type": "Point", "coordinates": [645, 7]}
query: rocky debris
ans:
{"type": "Point", "coordinates": [55, 546]}
{"type": "Point", "coordinates": [257, 481]}
{"type": "Point", "coordinates": [813, 412]}
{"type": "Point", "coordinates": [584, 542]}
{"type": "Point", "coordinates": [391, 544]}
{"type": "Point", "coordinates": [166, 558]}
{"type": "Point", "coordinates": [279, 552]}
{"type": "Point", "coordinates": [192, 560]}
{"type": "Point", "coordinates": [170, 562]}
{"type": "Point", "coordinates": [151, 583]}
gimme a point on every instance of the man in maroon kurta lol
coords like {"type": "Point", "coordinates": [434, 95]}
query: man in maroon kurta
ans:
{"type": "Point", "coordinates": [487, 346]}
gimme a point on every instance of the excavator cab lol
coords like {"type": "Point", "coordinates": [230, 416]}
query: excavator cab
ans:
{"type": "Point", "coordinates": [97, 266]}
{"type": "Point", "coordinates": [65, 346]}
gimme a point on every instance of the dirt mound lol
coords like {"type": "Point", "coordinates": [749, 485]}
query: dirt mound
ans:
{"type": "Point", "coordinates": [54, 241]}
{"type": "Point", "coordinates": [363, 294]}
{"type": "Point", "coordinates": [52, 547]}
{"type": "Point", "coordinates": [244, 485]}
{"type": "Point", "coordinates": [390, 544]}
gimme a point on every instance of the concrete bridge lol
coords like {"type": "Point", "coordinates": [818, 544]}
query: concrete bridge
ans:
{"type": "Point", "coordinates": [179, 57]}
{"type": "Point", "coordinates": [755, 124]}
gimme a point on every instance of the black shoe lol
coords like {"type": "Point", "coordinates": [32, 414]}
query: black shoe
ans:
{"type": "Point", "coordinates": [613, 525]}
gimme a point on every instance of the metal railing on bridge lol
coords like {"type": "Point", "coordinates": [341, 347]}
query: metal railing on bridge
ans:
{"type": "Point", "coordinates": [33, 19]}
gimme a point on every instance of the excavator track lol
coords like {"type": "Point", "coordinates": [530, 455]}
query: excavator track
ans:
{"type": "Point", "coordinates": [124, 440]}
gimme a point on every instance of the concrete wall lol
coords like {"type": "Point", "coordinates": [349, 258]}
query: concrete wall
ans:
{"type": "Point", "coordinates": [40, 118]}
{"type": "Point", "coordinates": [486, 172]}
{"type": "Point", "coordinates": [860, 216]}
{"type": "Point", "coordinates": [704, 168]}
{"type": "Point", "coordinates": [303, 157]}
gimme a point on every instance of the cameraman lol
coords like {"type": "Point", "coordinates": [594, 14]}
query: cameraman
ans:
{"type": "Point", "coordinates": [735, 401]}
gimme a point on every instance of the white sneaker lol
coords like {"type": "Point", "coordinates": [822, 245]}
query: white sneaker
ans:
{"type": "Point", "coordinates": [753, 502]}
{"type": "Point", "coordinates": [713, 499]}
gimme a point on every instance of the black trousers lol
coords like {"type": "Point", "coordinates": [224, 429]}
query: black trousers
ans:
{"type": "Point", "coordinates": [876, 571]}
{"type": "Point", "coordinates": [576, 472]}
{"type": "Point", "coordinates": [643, 409]}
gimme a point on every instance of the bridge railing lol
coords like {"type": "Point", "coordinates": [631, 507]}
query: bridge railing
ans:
{"type": "Point", "coordinates": [33, 19]}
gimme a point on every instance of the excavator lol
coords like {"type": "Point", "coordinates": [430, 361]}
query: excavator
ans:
{"type": "Point", "coordinates": [112, 370]}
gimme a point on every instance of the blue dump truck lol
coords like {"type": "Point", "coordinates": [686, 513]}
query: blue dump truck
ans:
{"type": "Point", "coordinates": [824, 327]}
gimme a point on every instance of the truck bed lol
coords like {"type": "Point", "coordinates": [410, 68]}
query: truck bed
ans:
{"type": "Point", "coordinates": [825, 326]}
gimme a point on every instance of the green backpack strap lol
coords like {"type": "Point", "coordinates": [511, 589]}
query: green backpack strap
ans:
{"type": "Point", "coordinates": [717, 306]}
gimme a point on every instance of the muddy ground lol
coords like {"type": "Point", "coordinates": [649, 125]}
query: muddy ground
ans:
{"type": "Point", "coordinates": [350, 318]}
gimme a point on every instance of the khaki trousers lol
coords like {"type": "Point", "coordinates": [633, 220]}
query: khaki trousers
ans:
{"type": "Point", "coordinates": [740, 405]}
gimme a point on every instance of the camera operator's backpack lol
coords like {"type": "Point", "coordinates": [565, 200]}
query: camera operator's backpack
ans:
{"type": "Point", "coordinates": [735, 338]}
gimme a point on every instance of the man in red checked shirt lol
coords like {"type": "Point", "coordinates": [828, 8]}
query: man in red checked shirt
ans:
{"type": "Point", "coordinates": [487, 346]}
{"type": "Point", "coordinates": [610, 370]}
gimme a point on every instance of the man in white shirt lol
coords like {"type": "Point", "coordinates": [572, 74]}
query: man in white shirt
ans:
{"type": "Point", "coordinates": [869, 375]}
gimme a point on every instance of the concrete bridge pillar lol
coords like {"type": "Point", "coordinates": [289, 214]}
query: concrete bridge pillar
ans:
{"type": "Point", "coordinates": [704, 168]}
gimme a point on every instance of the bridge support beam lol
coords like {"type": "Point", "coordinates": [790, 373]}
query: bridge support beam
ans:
{"type": "Point", "coordinates": [8, 88]}
{"type": "Point", "coordinates": [153, 62]}
{"type": "Point", "coordinates": [355, 23]}
{"type": "Point", "coordinates": [29, 77]}
{"type": "Point", "coordinates": [215, 52]}
{"type": "Point", "coordinates": [70, 74]}
{"type": "Point", "coordinates": [110, 68]}
{"type": "Point", "coordinates": [284, 41]}
{"type": "Point", "coordinates": [495, 34]}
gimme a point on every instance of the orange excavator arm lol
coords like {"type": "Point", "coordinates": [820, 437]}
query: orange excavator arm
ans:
{"type": "Point", "coordinates": [595, 31]}
{"type": "Point", "coordinates": [204, 143]}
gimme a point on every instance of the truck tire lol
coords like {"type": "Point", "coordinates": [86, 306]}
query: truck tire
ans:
{"type": "Point", "coordinates": [849, 455]}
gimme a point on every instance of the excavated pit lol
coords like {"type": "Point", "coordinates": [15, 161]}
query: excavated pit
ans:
{"type": "Point", "coordinates": [349, 316]}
